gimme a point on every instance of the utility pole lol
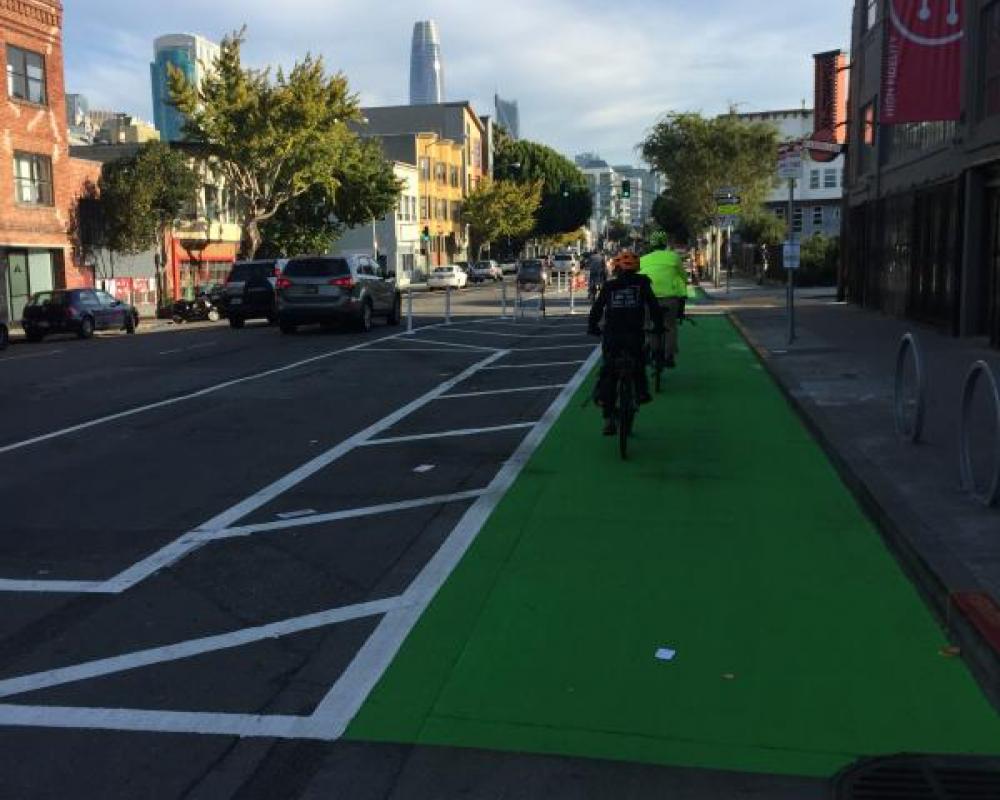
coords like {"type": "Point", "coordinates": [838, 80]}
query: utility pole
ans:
{"type": "Point", "coordinates": [788, 268]}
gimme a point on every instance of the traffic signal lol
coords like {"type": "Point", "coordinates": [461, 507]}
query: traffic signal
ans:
{"type": "Point", "coordinates": [626, 189]}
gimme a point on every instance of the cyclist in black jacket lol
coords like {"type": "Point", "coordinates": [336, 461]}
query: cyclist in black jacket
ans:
{"type": "Point", "coordinates": [624, 302]}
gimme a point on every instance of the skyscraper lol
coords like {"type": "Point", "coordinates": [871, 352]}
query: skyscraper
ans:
{"type": "Point", "coordinates": [508, 116]}
{"type": "Point", "coordinates": [192, 55]}
{"type": "Point", "coordinates": [426, 69]}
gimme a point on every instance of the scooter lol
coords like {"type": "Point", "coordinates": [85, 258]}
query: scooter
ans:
{"type": "Point", "coordinates": [203, 308]}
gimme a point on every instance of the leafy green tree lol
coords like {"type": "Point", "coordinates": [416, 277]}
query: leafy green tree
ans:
{"type": "Point", "coordinates": [140, 198]}
{"type": "Point", "coordinates": [500, 209]}
{"type": "Point", "coordinates": [367, 189]}
{"type": "Point", "coordinates": [699, 156]}
{"type": "Point", "coordinates": [762, 227]}
{"type": "Point", "coordinates": [273, 138]}
{"type": "Point", "coordinates": [670, 219]}
{"type": "Point", "coordinates": [566, 203]}
{"type": "Point", "coordinates": [618, 231]}
{"type": "Point", "coordinates": [820, 258]}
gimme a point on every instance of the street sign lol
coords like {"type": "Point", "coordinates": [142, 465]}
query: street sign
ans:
{"type": "Point", "coordinates": [728, 209]}
{"type": "Point", "coordinates": [789, 160]}
{"type": "Point", "coordinates": [792, 252]}
{"type": "Point", "coordinates": [822, 151]}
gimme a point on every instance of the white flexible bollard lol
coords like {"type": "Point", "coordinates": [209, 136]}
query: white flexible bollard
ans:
{"type": "Point", "coordinates": [409, 309]}
{"type": "Point", "coordinates": [572, 296]}
{"type": "Point", "coordinates": [447, 305]}
{"type": "Point", "coordinates": [503, 299]}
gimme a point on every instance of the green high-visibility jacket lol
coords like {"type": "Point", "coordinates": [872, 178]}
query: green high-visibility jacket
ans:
{"type": "Point", "coordinates": [666, 270]}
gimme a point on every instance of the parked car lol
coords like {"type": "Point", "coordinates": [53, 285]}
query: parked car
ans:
{"type": "Point", "coordinates": [451, 275]}
{"type": "Point", "coordinates": [485, 271]}
{"type": "Point", "coordinates": [249, 292]}
{"type": "Point", "coordinates": [79, 311]}
{"type": "Point", "coordinates": [331, 289]}
{"type": "Point", "coordinates": [533, 272]}
{"type": "Point", "coordinates": [565, 262]}
{"type": "Point", "coordinates": [509, 268]}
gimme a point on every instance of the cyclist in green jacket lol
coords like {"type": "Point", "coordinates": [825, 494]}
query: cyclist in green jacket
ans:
{"type": "Point", "coordinates": [665, 269]}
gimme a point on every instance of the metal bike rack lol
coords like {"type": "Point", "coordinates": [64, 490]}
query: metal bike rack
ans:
{"type": "Point", "coordinates": [980, 371]}
{"type": "Point", "coordinates": [912, 433]}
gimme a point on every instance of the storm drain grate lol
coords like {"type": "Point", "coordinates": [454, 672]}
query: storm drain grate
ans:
{"type": "Point", "coordinates": [922, 778]}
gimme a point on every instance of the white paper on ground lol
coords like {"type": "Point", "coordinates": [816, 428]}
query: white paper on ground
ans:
{"type": "Point", "coordinates": [665, 654]}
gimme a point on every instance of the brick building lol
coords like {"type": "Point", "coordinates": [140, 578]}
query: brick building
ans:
{"type": "Point", "coordinates": [39, 182]}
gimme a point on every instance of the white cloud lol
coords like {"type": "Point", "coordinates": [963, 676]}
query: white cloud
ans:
{"type": "Point", "coordinates": [588, 75]}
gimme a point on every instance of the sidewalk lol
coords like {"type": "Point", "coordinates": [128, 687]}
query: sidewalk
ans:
{"type": "Point", "coordinates": [839, 375]}
{"type": "Point", "coordinates": [799, 645]}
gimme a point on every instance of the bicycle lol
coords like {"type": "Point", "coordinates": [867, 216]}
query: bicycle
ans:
{"type": "Point", "coordinates": [654, 357]}
{"type": "Point", "coordinates": [626, 406]}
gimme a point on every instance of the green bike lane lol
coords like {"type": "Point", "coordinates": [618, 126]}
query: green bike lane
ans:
{"type": "Point", "coordinates": [727, 537]}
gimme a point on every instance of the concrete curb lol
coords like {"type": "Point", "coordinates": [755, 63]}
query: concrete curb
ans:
{"type": "Point", "coordinates": [980, 657]}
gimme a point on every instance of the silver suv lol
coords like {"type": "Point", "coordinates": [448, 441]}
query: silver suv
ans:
{"type": "Point", "coordinates": [331, 289]}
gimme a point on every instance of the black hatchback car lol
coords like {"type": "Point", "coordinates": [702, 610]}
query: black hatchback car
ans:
{"type": "Point", "coordinates": [79, 311]}
{"type": "Point", "coordinates": [249, 291]}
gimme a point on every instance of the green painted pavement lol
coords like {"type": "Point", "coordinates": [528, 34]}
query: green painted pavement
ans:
{"type": "Point", "coordinates": [801, 646]}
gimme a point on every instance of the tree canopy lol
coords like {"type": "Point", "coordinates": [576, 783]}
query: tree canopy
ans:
{"type": "Point", "coordinates": [566, 203]}
{"type": "Point", "coordinates": [141, 195]}
{"type": "Point", "coordinates": [275, 138]}
{"type": "Point", "coordinates": [501, 208]}
{"type": "Point", "coordinates": [698, 157]}
{"type": "Point", "coordinates": [312, 222]}
{"type": "Point", "coordinates": [669, 218]}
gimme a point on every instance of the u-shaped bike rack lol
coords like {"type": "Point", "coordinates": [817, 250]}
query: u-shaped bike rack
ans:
{"type": "Point", "coordinates": [991, 496]}
{"type": "Point", "coordinates": [912, 433]}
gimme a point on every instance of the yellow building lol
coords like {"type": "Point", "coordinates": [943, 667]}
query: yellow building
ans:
{"type": "Point", "coordinates": [441, 186]}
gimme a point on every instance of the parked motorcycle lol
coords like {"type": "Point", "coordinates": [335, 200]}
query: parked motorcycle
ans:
{"type": "Point", "coordinates": [205, 307]}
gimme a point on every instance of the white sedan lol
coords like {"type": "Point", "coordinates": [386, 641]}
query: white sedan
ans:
{"type": "Point", "coordinates": [443, 277]}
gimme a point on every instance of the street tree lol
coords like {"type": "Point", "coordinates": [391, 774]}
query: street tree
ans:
{"type": "Point", "coordinates": [669, 218]}
{"type": "Point", "coordinates": [762, 227]}
{"type": "Point", "coordinates": [140, 197]}
{"type": "Point", "coordinates": [274, 138]}
{"type": "Point", "coordinates": [367, 189]}
{"type": "Point", "coordinates": [618, 231]}
{"type": "Point", "coordinates": [698, 157]}
{"type": "Point", "coordinates": [566, 203]}
{"type": "Point", "coordinates": [499, 209]}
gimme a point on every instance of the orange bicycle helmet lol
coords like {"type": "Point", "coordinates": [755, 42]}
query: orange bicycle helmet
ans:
{"type": "Point", "coordinates": [627, 261]}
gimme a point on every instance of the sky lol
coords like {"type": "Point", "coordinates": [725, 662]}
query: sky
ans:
{"type": "Point", "coordinates": [589, 76]}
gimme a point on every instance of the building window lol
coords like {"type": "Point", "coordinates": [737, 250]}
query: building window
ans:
{"type": "Point", "coordinates": [991, 60]}
{"type": "Point", "coordinates": [425, 169]}
{"type": "Point", "coordinates": [779, 212]}
{"type": "Point", "coordinates": [871, 15]}
{"type": "Point", "coordinates": [818, 216]}
{"type": "Point", "coordinates": [25, 75]}
{"type": "Point", "coordinates": [456, 211]}
{"type": "Point", "coordinates": [797, 220]}
{"type": "Point", "coordinates": [453, 176]}
{"type": "Point", "coordinates": [830, 179]}
{"type": "Point", "coordinates": [425, 205]}
{"type": "Point", "coordinates": [868, 120]}
{"type": "Point", "coordinates": [814, 179]}
{"type": "Point", "coordinates": [33, 179]}
{"type": "Point", "coordinates": [440, 172]}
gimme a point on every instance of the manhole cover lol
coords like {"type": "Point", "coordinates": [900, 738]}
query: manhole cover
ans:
{"type": "Point", "coordinates": [921, 778]}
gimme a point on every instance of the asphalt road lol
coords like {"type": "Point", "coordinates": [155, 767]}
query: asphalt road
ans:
{"type": "Point", "coordinates": [202, 529]}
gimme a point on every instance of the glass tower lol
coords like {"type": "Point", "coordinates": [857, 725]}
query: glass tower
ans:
{"type": "Point", "coordinates": [192, 55]}
{"type": "Point", "coordinates": [426, 69]}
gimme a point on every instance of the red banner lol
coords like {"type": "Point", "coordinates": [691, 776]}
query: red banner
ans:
{"type": "Point", "coordinates": [922, 71]}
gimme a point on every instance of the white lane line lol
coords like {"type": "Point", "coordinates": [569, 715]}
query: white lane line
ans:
{"type": "Point", "coordinates": [53, 587]}
{"type": "Point", "coordinates": [119, 719]}
{"type": "Point", "coordinates": [345, 699]}
{"type": "Point", "coordinates": [305, 512]}
{"type": "Point", "coordinates": [170, 352]}
{"type": "Point", "coordinates": [181, 547]}
{"type": "Point", "coordinates": [453, 350]}
{"type": "Point", "coordinates": [46, 354]}
{"type": "Point", "coordinates": [337, 516]}
{"type": "Point", "coordinates": [533, 366]}
{"type": "Point", "coordinates": [492, 392]}
{"type": "Point", "coordinates": [556, 347]}
{"type": "Point", "coordinates": [195, 647]}
{"type": "Point", "coordinates": [458, 346]}
{"type": "Point", "coordinates": [182, 398]}
{"type": "Point", "coordinates": [517, 335]}
{"type": "Point", "coordinates": [423, 469]}
{"type": "Point", "coordinates": [423, 437]}
{"type": "Point", "coordinates": [207, 391]}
